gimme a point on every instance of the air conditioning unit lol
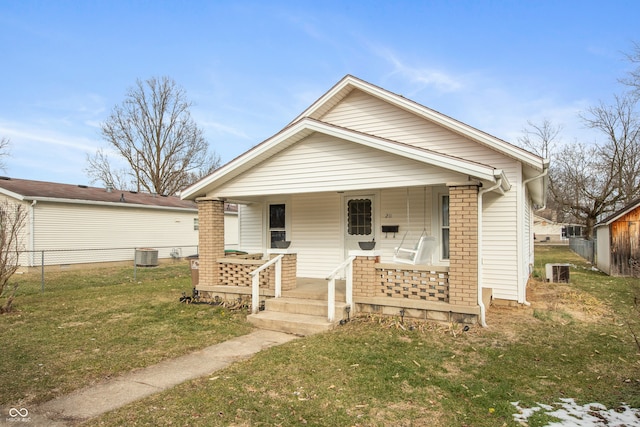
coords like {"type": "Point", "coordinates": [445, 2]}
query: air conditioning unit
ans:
{"type": "Point", "coordinates": [557, 273]}
{"type": "Point", "coordinates": [146, 257]}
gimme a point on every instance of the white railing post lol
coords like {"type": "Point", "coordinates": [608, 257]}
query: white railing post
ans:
{"type": "Point", "coordinates": [255, 282]}
{"type": "Point", "coordinates": [331, 299]}
{"type": "Point", "coordinates": [255, 293]}
{"type": "Point", "coordinates": [278, 292]}
{"type": "Point", "coordinates": [349, 286]}
{"type": "Point", "coordinates": [331, 291]}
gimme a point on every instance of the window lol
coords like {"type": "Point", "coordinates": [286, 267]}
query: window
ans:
{"type": "Point", "coordinates": [277, 223]}
{"type": "Point", "coordinates": [359, 217]}
{"type": "Point", "coordinates": [444, 226]}
{"type": "Point", "coordinates": [196, 224]}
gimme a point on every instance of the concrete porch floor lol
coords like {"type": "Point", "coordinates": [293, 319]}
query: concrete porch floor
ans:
{"type": "Point", "coordinates": [308, 288]}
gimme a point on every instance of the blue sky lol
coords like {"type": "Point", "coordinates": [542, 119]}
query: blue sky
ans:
{"type": "Point", "coordinates": [250, 67]}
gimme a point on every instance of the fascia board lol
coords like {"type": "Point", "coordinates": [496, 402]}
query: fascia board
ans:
{"type": "Point", "coordinates": [108, 204]}
{"type": "Point", "coordinates": [12, 194]}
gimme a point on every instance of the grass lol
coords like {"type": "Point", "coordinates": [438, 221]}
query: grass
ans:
{"type": "Point", "coordinates": [575, 341]}
{"type": "Point", "coordinates": [89, 325]}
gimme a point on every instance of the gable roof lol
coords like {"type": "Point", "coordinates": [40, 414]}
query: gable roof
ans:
{"type": "Point", "coordinates": [29, 190]}
{"type": "Point", "coordinates": [620, 213]}
{"type": "Point", "coordinates": [348, 83]}
{"type": "Point", "coordinates": [309, 122]}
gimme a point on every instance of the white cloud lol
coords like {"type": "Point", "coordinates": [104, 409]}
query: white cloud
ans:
{"type": "Point", "coordinates": [422, 77]}
{"type": "Point", "coordinates": [220, 128]}
{"type": "Point", "coordinates": [23, 133]}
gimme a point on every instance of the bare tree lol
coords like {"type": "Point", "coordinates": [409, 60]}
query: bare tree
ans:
{"type": "Point", "coordinates": [578, 188]}
{"type": "Point", "coordinates": [100, 169]}
{"type": "Point", "coordinates": [633, 78]}
{"type": "Point", "coordinates": [153, 132]}
{"type": "Point", "coordinates": [620, 155]}
{"type": "Point", "coordinates": [590, 181]}
{"type": "Point", "coordinates": [541, 139]}
{"type": "Point", "coordinates": [13, 217]}
{"type": "Point", "coordinates": [4, 152]}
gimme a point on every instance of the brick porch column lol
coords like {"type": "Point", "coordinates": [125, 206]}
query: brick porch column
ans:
{"type": "Point", "coordinates": [210, 238]}
{"type": "Point", "coordinates": [289, 272]}
{"type": "Point", "coordinates": [365, 282]}
{"type": "Point", "coordinates": [463, 245]}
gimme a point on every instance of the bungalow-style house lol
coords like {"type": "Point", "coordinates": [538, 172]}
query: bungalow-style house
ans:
{"type": "Point", "coordinates": [447, 207]}
{"type": "Point", "coordinates": [618, 242]}
{"type": "Point", "coordinates": [76, 224]}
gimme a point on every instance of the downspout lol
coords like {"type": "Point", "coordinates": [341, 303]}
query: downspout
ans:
{"type": "Point", "coordinates": [545, 172]}
{"type": "Point", "coordinates": [32, 229]}
{"type": "Point", "coordinates": [483, 310]}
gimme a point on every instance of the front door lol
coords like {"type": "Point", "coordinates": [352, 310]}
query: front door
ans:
{"type": "Point", "coordinates": [359, 221]}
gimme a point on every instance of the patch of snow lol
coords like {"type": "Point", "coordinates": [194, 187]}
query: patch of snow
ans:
{"type": "Point", "coordinates": [571, 414]}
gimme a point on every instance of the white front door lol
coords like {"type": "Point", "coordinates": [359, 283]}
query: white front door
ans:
{"type": "Point", "coordinates": [358, 221]}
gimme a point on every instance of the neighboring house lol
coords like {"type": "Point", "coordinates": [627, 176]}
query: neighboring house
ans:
{"type": "Point", "coordinates": [549, 231]}
{"type": "Point", "coordinates": [362, 163]}
{"type": "Point", "coordinates": [618, 242]}
{"type": "Point", "coordinates": [76, 224]}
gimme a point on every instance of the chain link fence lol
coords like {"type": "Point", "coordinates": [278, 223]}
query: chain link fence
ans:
{"type": "Point", "coordinates": [56, 260]}
{"type": "Point", "coordinates": [583, 247]}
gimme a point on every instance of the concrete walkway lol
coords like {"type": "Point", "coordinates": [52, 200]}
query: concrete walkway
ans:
{"type": "Point", "coordinates": [92, 401]}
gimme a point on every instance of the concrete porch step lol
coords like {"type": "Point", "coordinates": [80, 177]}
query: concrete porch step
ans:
{"type": "Point", "coordinates": [300, 316]}
{"type": "Point", "coordinates": [293, 323]}
{"type": "Point", "coordinates": [313, 307]}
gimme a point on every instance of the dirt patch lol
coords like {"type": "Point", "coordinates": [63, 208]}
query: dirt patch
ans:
{"type": "Point", "coordinates": [554, 301]}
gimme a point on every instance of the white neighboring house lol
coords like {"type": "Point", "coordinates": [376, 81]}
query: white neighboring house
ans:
{"type": "Point", "coordinates": [549, 231]}
{"type": "Point", "coordinates": [75, 224]}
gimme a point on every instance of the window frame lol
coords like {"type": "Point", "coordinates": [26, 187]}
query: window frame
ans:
{"type": "Point", "coordinates": [444, 224]}
{"type": "Point", "coordinates": [280, 230]}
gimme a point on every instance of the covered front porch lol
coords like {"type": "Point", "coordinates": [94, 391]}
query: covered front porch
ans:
{"type": "Point", "coordinates": [362, 281]}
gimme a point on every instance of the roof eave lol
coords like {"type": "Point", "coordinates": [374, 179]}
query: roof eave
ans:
{"type": "Point", "coordinates": [109, 204]}
{"type": "Point", "coordinates": [307, 125]}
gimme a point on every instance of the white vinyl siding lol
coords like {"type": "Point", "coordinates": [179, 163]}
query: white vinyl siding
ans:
{"type": "Point", "coordinates": [316, 234]}
{"type": "Point", "coordinates": [500, 245]}
{"type": "Point", "coordinates": [365, 113]}
{"type": "Point", "coordinates": [251, 231]}
{"type": "Point", "coordinates": [74, 227]}
{"type": "Point", "coordinates": [323, 163]}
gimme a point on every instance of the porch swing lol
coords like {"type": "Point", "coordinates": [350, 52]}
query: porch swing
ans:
{"type": "Point", "coordinates": [421, 252]}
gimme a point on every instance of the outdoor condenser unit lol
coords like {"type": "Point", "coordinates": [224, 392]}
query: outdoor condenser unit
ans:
{"type": "Point", "coordinates": [557, 273]}
{"type": "Point", "coordinates": [147, 257]}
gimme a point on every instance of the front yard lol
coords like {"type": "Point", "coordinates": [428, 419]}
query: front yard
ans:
{"type": "Point", "coordinates": [576, 341]}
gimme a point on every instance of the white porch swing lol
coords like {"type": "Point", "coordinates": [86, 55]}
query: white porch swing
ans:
{"type": "Point", "coordinates": [421, 253]}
